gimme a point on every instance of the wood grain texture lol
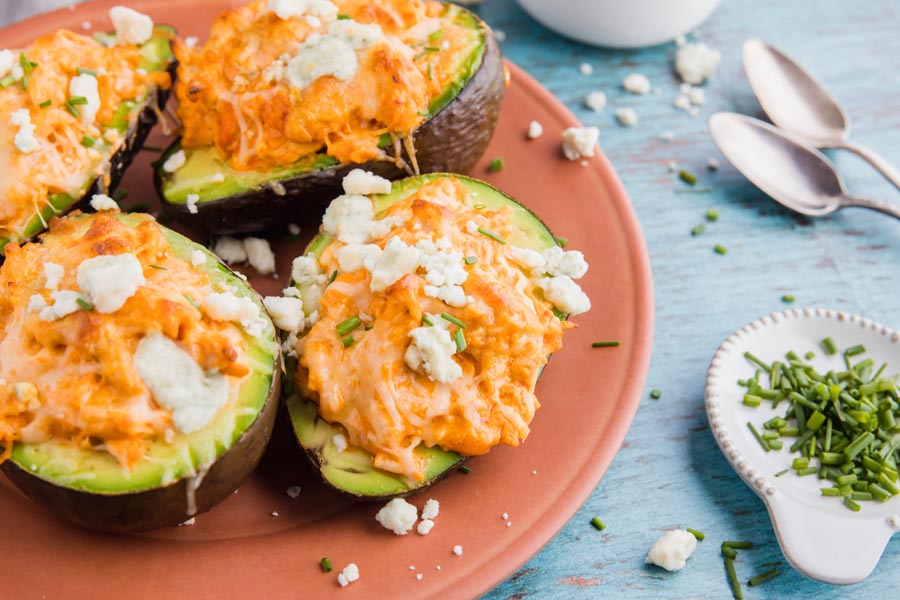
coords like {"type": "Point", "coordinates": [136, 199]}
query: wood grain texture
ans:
{"type": "Point", "coordinates": [670, 472]}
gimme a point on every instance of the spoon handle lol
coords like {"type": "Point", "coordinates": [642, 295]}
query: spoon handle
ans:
{"type": "Point", "coordinates": [879, 205]}
{"type": "Point", "coordinates": [890, 172]}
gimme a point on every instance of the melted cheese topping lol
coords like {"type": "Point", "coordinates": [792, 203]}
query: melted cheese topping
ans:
{"type": "Point", "coordinates": [386, 407]}
{"type": "Point", "coordinates": [74, 379]}
{"type": "Point", "coordinates": [235, 91]}
{"type": "Point", "coordinates": [62, 164]}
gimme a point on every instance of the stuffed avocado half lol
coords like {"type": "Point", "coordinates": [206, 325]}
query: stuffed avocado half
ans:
{"type": "Point", "coordinates": [427, 329]}
{"type": "Point", "coordinates": [79, 108]}
{"type": "Point", "coordinates": [149, 387]}
{"type": "Point", "coordinates": [268, 136]}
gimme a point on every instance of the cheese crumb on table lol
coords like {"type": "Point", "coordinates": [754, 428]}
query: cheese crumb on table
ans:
{"type": "Point", "coordinates": [695, 63]}
{"type": "Point", "coordinates": [672, 550]}
{"type": "Point", "coordinates": [636, 83]}
{"type": "Point", "coordinates": [425, 526]}
{"type": "Point", "coordinates": [260, 255]}
{"type": "Point", "coordinates": [626, 116]}
{"type": "Point", "coordinates": [191, 203]}
{"type": "Point", "coordinates": [230, 250]}
{"type": "Point", "coordinates": [293, 492]}
{"type": "Point", "coordinates": [595, 100]}
{"type": "Point", "coordinates": [586, 69]}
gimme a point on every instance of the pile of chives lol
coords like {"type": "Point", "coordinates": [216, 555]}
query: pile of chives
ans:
{"type": "Point", "coordinates": [842, 426]}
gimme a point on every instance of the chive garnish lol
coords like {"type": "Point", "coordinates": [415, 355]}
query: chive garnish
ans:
{"type": "Point", "coordinates": [87, 141]}
{"type": "Point", "coordinates": [491, 235]}
{"type": "Point", "coordinates": [733, 580]}
{"type": "Point", "coordinates": [347, 341]}
{"type": "Point", "coordinates": [430, 72]}
{"type": "Point", "coordinates": [45, 103]}
{"type": "Point", "coordinates": [343, 17]}
{"type": "Point", "coordinates": [606, 344]}
{"type": "Point", "coordinates": [712, 215]}
{"type": "Point", "coordinates": [84, 304]}
{"type": "Point", "coordinates": [24, 82]}
{"type": "Point", "coordinates": [191, 300]}
{"type": "Point", "coordinates": [149, 148]}
{"type": "Point", "coordinates": [782, 472]}
{"type": "Point", "coordinates": [563, 242]}
{"type": "Point", "coordinates": [479, 206]}
{"type": "Point", "coordinates": [739, 545]}
{"type": "Point", "coordinates": [325, 564]}
{"type": "Point", "coordinates": [464, 470]}
{"type": "Point", "coordinates": [427, 321]}
{"type": "Point", "coordinates": [854, 350]}
{"type": "Point", "coordinates": [687, 177]}
{"type": "Point", "coordinates": [720, 249]}
{"type": "Point", "coordinates": [698, 229]}
{"type": "Point", "coordinates": [73, 110]}
{"type": "Point", "coordinates": [27, 65]}
{"type": "Point", "coordinates": [598, 524]}
{"type": "Point", "coordinates": [334, 275]}
{"type": "Point", "coordinates": [495, 165]}
{"type": "Point", "coordinates": [728, 551]}
{"type": "Point", "coordinates": [763, 577]}
{"type": "Point", "coordinates": [470, 260]}
{"type": "Point", "coordinates": [453, 320]}
{"type": "Point", "coordinates": [435, 34]}
{"type": "Point", "coordinates": [829, 346]}
{"type": "Point", "coordinates": [158, 267]}
{"type": "Point", "coordinates": [697, 534]}
{"type": "Point", "coordinates": [83, 71]}
{"type": "Point", "coordinates": [78, 100]}
{"type": "Point", "coordinates": [425, 52]}
{"type": "Point", "coordinates": [788, 298]}
{"type": "Point", "coordinates": [345, 327]}
{"type": "Point", "coordinates": [459, 339]}
{"type": "Point", "coordinates": [656, 394]}
{"type": "Point", "coordinates": [7, 81]}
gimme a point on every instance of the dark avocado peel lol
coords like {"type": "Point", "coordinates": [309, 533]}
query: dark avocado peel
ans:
{"type": "Point", "coordinates": [176, 480]}
{"type": "Point", "coordinates": [133, 120]}
{"type": "Point", "coordinates": [459, 126]}
{"type": "Point", "coordinates": [352, 471]}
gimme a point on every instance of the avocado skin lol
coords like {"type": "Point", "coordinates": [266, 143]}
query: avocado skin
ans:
{"type": "Point", "coordinates": [159, 507]}
{"type": "Point", "coordinates": [451, 141]}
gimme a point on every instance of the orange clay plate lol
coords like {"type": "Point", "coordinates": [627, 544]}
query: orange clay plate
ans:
{"type": "Point", "coordinates": [242, 549]}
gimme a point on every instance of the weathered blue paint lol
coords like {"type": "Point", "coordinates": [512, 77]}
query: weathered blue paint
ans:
{"type": "Point", "coordinates": [670, 472]}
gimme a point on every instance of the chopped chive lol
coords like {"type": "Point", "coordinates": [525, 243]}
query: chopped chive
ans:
{"type": "Point", "coordinates": [712, 215]}
{"type": "Point", "coordinates": [191, 300]}
{"type": "Point", "coordinates": [495, 165]}
{"type": "Point", "coordinates": [606, 344]}
{"type": "Point", "coordinates": [753, 358]}
{"type": "Point", "coordinates": [720, 249]}
{"type": "Point", "coordinates": [325, 565]}
{"type": "Point", "coordinates": [343, 17]}
{"type": "Point", "coordinates": [27, 65]}
{"type": "Point", "coordinates": [470, 260]}
{"type": "Point", "coordinates": [45, 103]}
{"type": "Point", "coordinates": [84, 304]}
{"type": "Point", "coordinates": [73, 110]}
{"type": "Point", "coordinates": [751, 400]}
{"type": "Point", "coordinates": [782, 472]}
{"type": "Point", "coordinates": [435, 34]}
{"type": "Point", "coordinates": [829, 346]}
{"type": "Point", "coordinates": [77, 100]}
{"type": "Point", "coordinates": [774, 563]}
{"type": "Point", "coordinates": [334, 275]}
{"type": "Point", "coordinates": [739, 545]}
{"type": "Point", "coordinates": [347, 341]}
{"type": "Point", "coordinates": [158, 267]}
{"type": "Point", "coordinates": [728, 552]}
{"type": "Point", "coordinates": [425, 52]}
{"type": "Point", "coordinates": [347, 326]}
{"type": "Point", "coordinates": [83, 71]}
{"type": "Point", "coordinates": [788, 298]}
{"type": "Point", "coordinates": [453, 320]}
{"type": "Point", "coordinates": [563, 242]}
{"type": "Point", "coordinates": [807, 471]}
{"type": "Point", "coordinates": [697, 534]}
{"type": "Point", "coordinates": [763, 577]}
{"type": "Point", "coordinates": [849, 503]}
{"type": "Point", "coordinates": [698, 230]}
{"type": "Point", "coordinates": [87, 141]}
{"type": "Point", "coordinates": [424, 113]}
{"type": "Point", "coordinates": [854, 350]}
{"type": "Point", "coordinates": [759, 438]}
{"type": "Point", "coordinates": [430, 72]}
{"type": "Point", "coordinates": [687, 177]}
{"type": "Point", "coordinates": [598, 524]}
{"type": "Point", "coordinates": [479, 206]}
{"type": "Point", "coordinates": [459, 339]}
{"type": "Point", "coordinates": [656, 394]}
{"type": "Point", "coordinates": [427, 321]}
{"type": "Point", "coordinates": [559, 314]}
{"type": "Point", "coordinates": [24, 82]}
{"type": "Point", "coordinates": [491, 235]}
{"type": "Point", "coordinates": [464, 470]}
{"type": "Point", "coordinates": [7, 81]}
{"type": "Point", "coordinates": [733, 580]}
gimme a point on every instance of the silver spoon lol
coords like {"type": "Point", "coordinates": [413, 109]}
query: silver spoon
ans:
{"type": "Point", "coordinates": [791, 172]}
{"type": "Point", "coordinates": [795, 101]}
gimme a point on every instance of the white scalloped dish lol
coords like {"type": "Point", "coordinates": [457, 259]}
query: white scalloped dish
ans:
{"type": "Point", "coordinates": [818, 535]}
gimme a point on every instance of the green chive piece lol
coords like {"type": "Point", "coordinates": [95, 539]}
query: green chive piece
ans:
{"type": "Point", "coordinates": [87, 141]}
{"type": "Point", "coordinates": [739, 545]}
{"type": "Point", "coordinates": [347, 326]}
{"type": "Point", "coordinates": [325, 565]}
{"type": "Point", "coordinates": [736, 590]}
{"type": "Point", "coordinates": [453, 320]}
{"type": "Point", "coordinates": [854, 350]}
{"type": "Point", "coordinates": [687, 177]}
{"type": "Point", "coordinates": [459, 339]}
{"type": "Point", "coordinates": [7, 81]}
{"type": "Point", "coordinates": [563, 242]}
{"type": "Point", "coordinates": [27, 65]}
{"type": "Point", "coordinates": [334, 275]}
{"type": "Point", "coordinates": [753, 358]}
{"type": "Point", "coordinates": [119, 194]}
{"type": "Point", "coordinates": [84, 304]}
{"type": "Point", "coordinates": [763, 577]}
{"type": "Point", "coordinates": [191, 300]}
{"type": "Point", "coordinates": [829, 346]}
{"type": "Point", "coordinates": [774, 563]}
{"type": "Point", "coordinates": [696, 533]}
{"type": "Point", "coordinates": [158, 267]}
{"type": "Point", "coordinates": [343, 17]}
{"type": "Point", "coordinates": [598, 524]}
{"type": "Point", "coordinates": [347, 341]}
{"type": "Point", "coordinates": [720, 249]}
{"type": "Point", "coordinates": [751, 400]}
{"type": "Point", "coordinates": [788, 298]}
{"type": "Point", "coordinates": [427, 321]}
{"type": "Point", "coordinates": [782, 472]}
{"type": "Point", "coordinates": [435, 34]}
{"type": "Point", "coordinates": [430, 72]}
{"type": "Point", "coordinates": [479, 206]}
{"type": "Point", "coordinates": [83, 71]}
{"type": "Point", "coordinates": [849, 503]}
{"type": "Point", "coordinates": [45, 103]}
{"type": "Point", "coordinates": [698, 230]}
{"type": "Point", "coordinates": [712, 215]}
{"type": "Point", "coordinates": [606, 344]}
{"type": "Point", "coordinates": [24, 82]}
{"type": "Point", "coordinates": [491, 235]}
{"type": "Point", "coordinates": [728, 552]}
{"type": "Point", "coordinates": [470, 260]}
{"type": "Point", "coordinates": [656, 394]}
{"type": "Point", "coordinates": [77, 100]}
{"type": "Point", "coordinates": [73, 110]}
{"type": "Point", "coordinates": [759, 438]}
{"type": "Point", "coordinates": [495, 165]}
{"type": "Point", "coordinates": [464, 470]}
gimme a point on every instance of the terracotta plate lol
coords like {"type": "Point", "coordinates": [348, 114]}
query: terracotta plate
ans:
{"type": "Point", "coordinates": [241, 549]}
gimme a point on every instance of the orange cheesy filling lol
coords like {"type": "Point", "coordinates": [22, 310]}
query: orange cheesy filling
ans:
{"type": "Point", "coordinates": [74, 379]}
{"type": "Point", "coordinates": [388, 408]}
{"type": "Point", "coordinates": [63, 163]}
{"type": "Point", "coordinates": [235, 92]}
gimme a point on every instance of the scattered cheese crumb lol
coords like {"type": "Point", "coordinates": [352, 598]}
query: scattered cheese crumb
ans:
{"type": "Point", "coordinates": [348, 575]}
{"type": "Point", "coordinates": [174, 162]}
{"type": "Point", "coordinates": [626, 116]}
{"type": "Point", "coordinates": [109, 280]}
{"type": "Point", "coordinates": [24, 139]}
{"type": "Point", "coordinates": [365, 183]}
{"type": "Point", "coordinates": [437, 567]}
{"type": "Point", "coordinates": [240, 309]}
{"type": "Point", "coordinates": [697, 96]}
{"type": "Point", "coordinates": [191, 203]}
{"type": "Point", "coordinates": [457, 550]}
{"type": "Point", "coordinates": [339, 441]}
{"type": "Point", "coordinates": [431, 351]}
{"type": "Point", "coordinates": [712, 164]}
{"type": "Point", "coordinates": [274, 513]}
{"type": "Point", "coordinates": [636, 83]}
{"type": "Point", "coordinates": [595, 101]}
{"type": "Point", "coordinates": [103, 202]}
{"type": "Point", "coordinates": [189, 522]}
{"type": "Point", "coordinates": [431, 509]}
{"type": "Point", "coordinates": [7, 60]}
{"type": "Point", "coordinates": [260, 255]}
{"type": "Point", "coordinates": [535, 130]}
{"type": "Point", "coordinates": [695, 63]}
{"type": "Point", "coordinates": [425, 526]}
{"type": "Point", "coordinates": [418, 577]}
{"type": "Point", "coordinates": [230, 250]}
{"type": "Point", "coordinates": [667, 136]}
{"type": "Point", "coordinates": [680, 40]}
{"type": "Point", "coordinates": [398, 515]}
{"type": "Point", "coordinates": [504, 516]}
{"type": "Point", "coordinates": [65, 302]}
{"type": "Point", "coordinates": [586, 69]}
{"type": "Point", "coordinates": [672, 550]}
{"type": "Point", "coordinates": [191, 41]}
{"type": "Point", "coordinates": [564, 294]}
{"type": "Point", "coordinates": [53, 274]}
{"type": "Point", "coordinates": [198, 257]}
{"type": "Point", "coordinates": [131, 26]}
{"type": "Point", "coordinates": [412, 567]}
{"type": "Point", "coordinates": [293, 229]}
{"type": "Point", "coordinates": [579, 142]}
{"type": "Point", "coordinates": [500, 35]}
{"type": "Point", "coordinates": [293, 492]}
{"type": "Point", "coordinates": [286, 313]}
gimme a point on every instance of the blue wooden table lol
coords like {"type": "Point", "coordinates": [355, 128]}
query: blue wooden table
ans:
{"type": "Point", "coordinates": [670, 473]}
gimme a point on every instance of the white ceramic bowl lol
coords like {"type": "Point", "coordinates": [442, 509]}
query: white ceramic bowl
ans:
{"type": "Point", "coordinates": [620, 23]}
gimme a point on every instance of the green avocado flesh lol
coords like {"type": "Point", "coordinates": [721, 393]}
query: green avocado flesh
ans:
{"type": "Point", "coordinates": [204, 168]}
{"type": "Point", "coordinates": [156, 55]}
{"type": "Point", "coordinates": [351, 471]}
{"type": "Point", "coordinates": [94, 471]}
